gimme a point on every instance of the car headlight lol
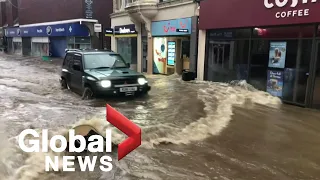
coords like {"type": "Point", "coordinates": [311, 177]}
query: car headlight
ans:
{"type": "Point", "coordinates": [142, 81]}
{"type": "Point", "coordinates": [105, 83]}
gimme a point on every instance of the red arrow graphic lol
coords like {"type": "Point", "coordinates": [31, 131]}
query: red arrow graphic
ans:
{"type": "Point", "coordinates": [126, 126]}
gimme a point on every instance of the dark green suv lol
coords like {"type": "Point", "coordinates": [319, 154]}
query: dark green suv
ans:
{"type": "Point", "coordinates": [100, 72]}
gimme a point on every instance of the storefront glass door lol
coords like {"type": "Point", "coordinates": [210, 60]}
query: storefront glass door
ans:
{"type": "Point", "coordinates": [316, 90]}
{"type": "Point", "coordinates": [218, 61]}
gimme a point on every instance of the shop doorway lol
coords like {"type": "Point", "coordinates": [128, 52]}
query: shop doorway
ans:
{"type": "Point", "coordinates": [26, 46]}
{"type": "Point", "coordinates": [144, 54]}
{"type": "Point", "coordinates": [316, 90]}
{"type": "Point", "coordinates": [220, 61]}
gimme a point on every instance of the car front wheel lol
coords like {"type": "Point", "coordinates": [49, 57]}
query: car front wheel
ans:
{"type": "Point", "coordinates": [64, 84]}
{"type": "Point", "coordinates": [87, 93]}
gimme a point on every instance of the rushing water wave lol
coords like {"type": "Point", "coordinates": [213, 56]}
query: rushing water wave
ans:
{"type": "Point", "coordinates": [218, 100]}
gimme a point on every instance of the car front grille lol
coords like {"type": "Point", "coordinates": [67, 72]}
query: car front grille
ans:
{"type": "Point", "coordinates": [124, 81]}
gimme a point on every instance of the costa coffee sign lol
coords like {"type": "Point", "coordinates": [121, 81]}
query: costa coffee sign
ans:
{"type": "Point", "coordinates": [292, 3]}
{"type": "Point", "coordinates": [256, 13]}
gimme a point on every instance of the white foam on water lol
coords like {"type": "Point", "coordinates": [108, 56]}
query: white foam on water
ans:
{"type": "Point", "coordinates": [219, 100]}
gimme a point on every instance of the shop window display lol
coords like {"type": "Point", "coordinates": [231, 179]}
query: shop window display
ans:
{"type": "Point", "coordinates": [79, 42]}
{"type": "Point", "coordinates": [228, 55]}
{"type": "Point", "coordinates": [227, 60]}
{"type": "Point", "coordinates": [127, 48]}
{"type": "Point", "coordinates": [17, 48]}
{"type": "Point", "coordinates": [280, 66]}
{"type": "Point", "coordinates": [40, 49]}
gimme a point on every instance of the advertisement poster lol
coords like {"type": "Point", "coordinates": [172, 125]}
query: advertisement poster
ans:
{"type": "Point", "coordinates": [277, 54]}
{"type": "Point", "coordinates": [275, 83]}
{"type": "Point", "coordinates": [171, 53]}
{"type": "Point", "coordinates": [160, 55]}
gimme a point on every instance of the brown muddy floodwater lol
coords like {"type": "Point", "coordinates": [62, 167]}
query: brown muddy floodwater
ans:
{"type": "Point", "coordinates": [191, 130]}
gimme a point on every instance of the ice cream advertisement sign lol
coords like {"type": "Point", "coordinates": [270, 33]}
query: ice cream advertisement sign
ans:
{"type": "Point", "coordinates": [275, 83]}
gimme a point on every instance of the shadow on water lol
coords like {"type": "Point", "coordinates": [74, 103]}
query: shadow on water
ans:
{"type": "Point", "coordinates": [102, 101]}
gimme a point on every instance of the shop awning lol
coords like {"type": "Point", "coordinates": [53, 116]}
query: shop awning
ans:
{"type": "Point", "coordinates": [74, 27]}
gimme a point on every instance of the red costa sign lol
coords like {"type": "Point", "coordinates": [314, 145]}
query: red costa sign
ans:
{"type": "Point", "coordinates": [253, 13]}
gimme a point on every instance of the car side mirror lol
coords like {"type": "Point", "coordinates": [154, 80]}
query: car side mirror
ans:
{"type": "Point", "coordinates": [128, 65]}
{"type": "Point", "coordinates": [76, 67]}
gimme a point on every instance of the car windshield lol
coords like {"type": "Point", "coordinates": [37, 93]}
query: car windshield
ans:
{"type": "Point", "coordinates": [96, 61]}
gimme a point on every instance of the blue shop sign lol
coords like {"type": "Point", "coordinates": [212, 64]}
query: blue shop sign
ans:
{"type": "Point", "coordinates": [71, 29]}
{"type": "Point", "coordinates": [172, 27]}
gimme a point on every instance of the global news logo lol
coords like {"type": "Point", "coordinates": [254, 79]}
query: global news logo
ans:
{"type": "Point", "coordinates": [77, 143]}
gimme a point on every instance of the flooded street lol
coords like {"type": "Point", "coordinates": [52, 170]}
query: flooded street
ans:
{"type": "Point", "coordinates": [190, 130]}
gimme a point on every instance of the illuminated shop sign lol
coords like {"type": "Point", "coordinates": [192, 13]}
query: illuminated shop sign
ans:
{"type": "Point", "coordinates": [69, 29]}
{"type": "Point", "coordinates": [293, 12]}
{"type": "Point", "coordinates": [172, 27]}
{"type": "Point", "coordinates": [125, 30]}
{"type": "Point", "coordinates": [222, 15]}
{"type": "Point", "coordinates": [108, 32]}
{"type": "Point", "coordinates": [183, 30]}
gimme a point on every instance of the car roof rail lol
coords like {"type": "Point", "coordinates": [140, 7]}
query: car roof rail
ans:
{"type": "Point", "coordinates": [88, 49]}
{"type": "Point", "coordinates": [67, 50]}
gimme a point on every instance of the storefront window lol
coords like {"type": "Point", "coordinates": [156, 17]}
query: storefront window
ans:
{"type": "Point", "coordinates": [127, 48]}
{"type": "Point", "coordinates": [40, 49]}
{"type": "Point", "coordinates": [79, 42]}
{"type": "Point", "coordinates": [296, 73]}
{"type": "Point", "coordinates": [260, 60]}
{"type": "Point", "coordinates": [228, 54]}
{"type": "Point", "coordinates": [280, 66]}
{"type": "Point", "coordinates": [17, 48]}
{"type": "Point", "coordinates": [70, 41]}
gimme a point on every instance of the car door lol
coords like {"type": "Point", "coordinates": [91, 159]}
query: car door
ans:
{"type": "Point", "coordinates": [77, 72]}
{"type": "Point", "coordinates": [66, 67]}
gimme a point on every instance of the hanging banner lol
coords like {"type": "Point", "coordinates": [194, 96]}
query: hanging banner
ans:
{"type": "Point", "coordinates": [275, 83]}
{"type": "Point", "coordinates": [277, 54]}
{"type": "Point", "coordinates": [88, 9]}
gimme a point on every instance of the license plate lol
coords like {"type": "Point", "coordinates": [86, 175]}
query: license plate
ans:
{"type": "Point", "coordinates": [128, 89]}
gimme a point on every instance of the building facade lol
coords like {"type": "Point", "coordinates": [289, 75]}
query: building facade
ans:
{"type": "Point", "coordinates": [157, 37]}
{"type": "Point", "coordinates": [47, 28]}
{"type": "Point", "coordinates": [274, 45]}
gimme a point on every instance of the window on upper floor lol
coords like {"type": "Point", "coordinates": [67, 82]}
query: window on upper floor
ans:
{"type": "Point", "coordinates": [129, 2]}
{"type": "Point", "coordinates": [119, 4]}
{"type": "Point", "coordinates": [160, 1]}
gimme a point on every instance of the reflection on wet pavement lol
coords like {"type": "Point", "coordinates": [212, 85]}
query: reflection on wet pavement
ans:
{"type": "Point", "coordinates": [191, 130]}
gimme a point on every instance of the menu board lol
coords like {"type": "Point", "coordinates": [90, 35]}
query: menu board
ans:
{"type": "Point", "coordinates": [277, 54]}
{"type": "Point", "coordinates": [275, 83]}
{"type": "Point", "coordinates": [171, 53]}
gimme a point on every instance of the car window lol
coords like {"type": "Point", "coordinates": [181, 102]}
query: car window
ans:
{"type": "Point", "coordinates": [67, 59]}
{"type": "Point", "coordinates": [103, 60]}
{"type": "Point", "coordinates": [77, 60]}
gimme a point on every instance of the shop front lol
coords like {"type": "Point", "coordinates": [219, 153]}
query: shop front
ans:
{"type": "Point", "coordinates": [171, 45]}
{"type": "Point", "coordinates": [126, 40]}
{"type": "Point", "coordinates": [2, 39]}
{"type": "Point", "coordinates": [49, 40]}
{"type": "Point", "coordinates": [277, 50]}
